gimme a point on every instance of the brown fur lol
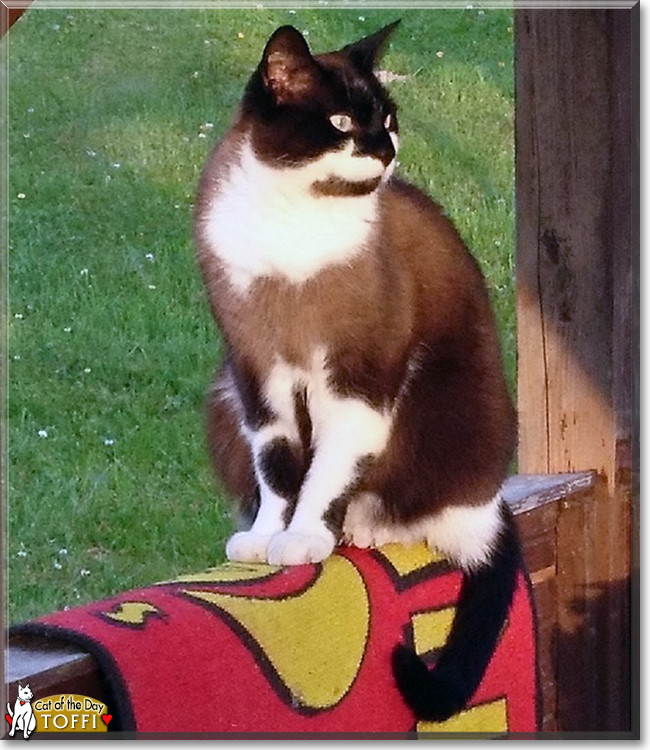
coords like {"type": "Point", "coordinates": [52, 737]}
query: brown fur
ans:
{"type": "Point", "coordinates": [416, 288]}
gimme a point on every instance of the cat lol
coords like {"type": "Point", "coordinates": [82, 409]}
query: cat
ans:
{"type": "Point", "coordinates": [362, 398]}
{"type": "Point", "coordinates": [22, 717]}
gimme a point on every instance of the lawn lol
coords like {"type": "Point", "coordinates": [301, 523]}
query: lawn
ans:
{"type": "Point", "coordinates": [110, 346]}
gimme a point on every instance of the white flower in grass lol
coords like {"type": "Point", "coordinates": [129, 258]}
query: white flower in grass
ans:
{"type": "Point", "coordinates": [21, 553]}
{"type": "Point", "coordinates": [21, 196]}
{"type": "Point", "coordinates": [42, 433]}
{"type": "Point", "coordinates": [149, 256]}
{"type": "Point", "coordinates": [57, 565]}
{"type": "Point", "coordinates": [63, 551]}
{"type": "Point", "coordinates": [109, 441]}
{"type": "Point", "coordinates": [387, 76]}
{"type": "Point", "coordinates": [84, 572]}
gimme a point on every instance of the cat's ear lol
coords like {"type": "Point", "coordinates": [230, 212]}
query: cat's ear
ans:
{"type": "Point", "coordinates": [365, 53]}
{"type": "Point", "coordinates": [288, 69]}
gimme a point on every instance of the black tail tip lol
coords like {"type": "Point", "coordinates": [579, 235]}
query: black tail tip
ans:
{"type": "Point", "coordinates": [430, 695]}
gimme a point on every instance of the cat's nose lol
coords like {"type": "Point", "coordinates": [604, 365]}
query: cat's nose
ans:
{"type": "Point", "coordinates": [378, 145]}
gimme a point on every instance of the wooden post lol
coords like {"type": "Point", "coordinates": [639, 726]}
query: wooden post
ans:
{"type": "Point", "coordinates": [575, 143]}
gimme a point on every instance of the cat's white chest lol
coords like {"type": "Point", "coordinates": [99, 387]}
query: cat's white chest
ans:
{"type": "Point", "coordinates": [265, 222]}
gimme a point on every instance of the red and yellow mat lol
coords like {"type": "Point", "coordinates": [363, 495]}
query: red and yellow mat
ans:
{"type": "Point", "coordinates": [255, 648]}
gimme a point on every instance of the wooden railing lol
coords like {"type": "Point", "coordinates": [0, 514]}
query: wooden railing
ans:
{"type": "Point", "coordinates": [550, 512]}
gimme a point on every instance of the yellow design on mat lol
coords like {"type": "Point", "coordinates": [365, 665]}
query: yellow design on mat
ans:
{"type": "Point", "coordinates": [230, 572]}
{"type": "Point", "coordinates": [488, 717]}
{"type": "Point", "coordinates": [407, 559]}
{"type": "Point", "coordinates": [132, 613]}
{"type": "Point", "coordinates": [431, 629]}
{"type": "Point", "coordinates": [314, 640]}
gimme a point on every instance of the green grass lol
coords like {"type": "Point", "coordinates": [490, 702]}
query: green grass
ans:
{"type": "Point", "coordinates": [110, 343]}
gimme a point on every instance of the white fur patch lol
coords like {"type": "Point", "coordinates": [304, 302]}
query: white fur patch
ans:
{"type": "Point", "coordinates": [289, 548]}
{"type": "Point", "coordinates": [344, 430]}
{"type": "Point", "coordinates": [391, 167]}
{"type": "Point", "coordinates": [248, 546]}
{"type": "Point", "coordinates": [252, 545]}
{"type": "Point", "coordinates": [265, 221]}
{"type": "Point", "coordinates": [342, 164]}
{"type": "Point", "coordinates": [466, 534]}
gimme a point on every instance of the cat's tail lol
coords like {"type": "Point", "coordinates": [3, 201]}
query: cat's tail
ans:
{"type": "Point", "coordinates": [9, 711]}
{"type": "Point", "coordinates": [481, 612]}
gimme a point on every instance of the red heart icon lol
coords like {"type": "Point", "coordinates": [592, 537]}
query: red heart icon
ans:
{"type": "Point", "coordinates": [8, 718]}
{"type": "Point", "coordinates": [107, 718]}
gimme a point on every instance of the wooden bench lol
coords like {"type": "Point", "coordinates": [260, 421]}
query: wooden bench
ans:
{"type": "Point", "coordinates": [550, 512]}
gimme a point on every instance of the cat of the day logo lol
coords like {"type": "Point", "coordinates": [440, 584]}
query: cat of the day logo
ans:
{"type": "Point", "coordinates": [56, 713]}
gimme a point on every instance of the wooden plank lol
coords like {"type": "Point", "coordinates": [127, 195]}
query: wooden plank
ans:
{"type": "Point", "coordinates": [50, 667]}
{"type": "Point", "coordinates": [545, 594]}
{"type": "Point", "coordinates": [565, 315]}
{"type": "Point", "coordinates": [593, 626]}
{"type": "Point", "coordinates": [525, 491]}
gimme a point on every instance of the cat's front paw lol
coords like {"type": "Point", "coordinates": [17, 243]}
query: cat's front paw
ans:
{"type": "Point", "coordinates": [360, 526]}
{"type": "Point", "coordinates": [248, 546]}
{"type": "Point", "coordinates": [291, 548]}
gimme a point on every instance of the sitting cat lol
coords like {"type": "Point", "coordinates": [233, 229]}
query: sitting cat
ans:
{"type": "Point", "coordinates": [362, 398]}
{"type": "Point", "coordinates": [22, 717]}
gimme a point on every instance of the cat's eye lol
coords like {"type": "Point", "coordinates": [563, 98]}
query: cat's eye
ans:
{"type": "Point", "coordinates": [342, 122]}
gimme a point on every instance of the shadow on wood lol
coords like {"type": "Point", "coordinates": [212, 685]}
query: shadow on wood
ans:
{"type": "Point", "coordinates": [585, 660]}
{"type": "Point", "coordinates": [578, 303]}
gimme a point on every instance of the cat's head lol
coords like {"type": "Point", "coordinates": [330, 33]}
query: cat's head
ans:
{"type": "Point", "coordinates": [25, 693]}
{"type": "Point", "coordinates": [328, 111]}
